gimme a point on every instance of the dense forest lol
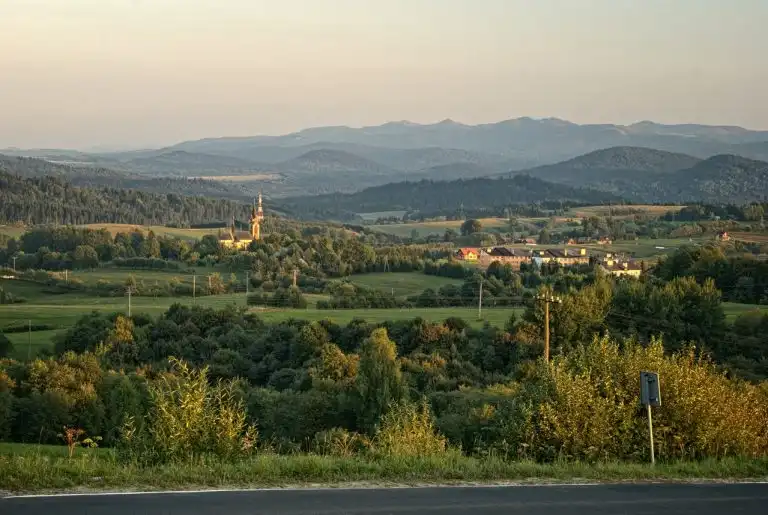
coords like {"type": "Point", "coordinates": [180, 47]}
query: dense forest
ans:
{"type": "Point", "coordinates": [97, 176]}
{"type": "Point", "coordinates": [444, 198]}
{"type": "Point", "coordinates": [52, 200]}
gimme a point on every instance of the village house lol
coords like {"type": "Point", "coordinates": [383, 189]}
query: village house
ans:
{"type": "Point", "coordinates": [468, 254]}
{"type": "Point", "coordinates": [619, 268]}
{"type": "Point", "coordinates": [723, 236]}
{"type": "Point", "coordinates": [512, 257]}
{"type": "Point", "coordinates": [563, 257]}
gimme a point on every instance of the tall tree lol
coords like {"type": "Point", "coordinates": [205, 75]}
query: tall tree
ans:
{"type": "Point", "coordinates": [379, 379]}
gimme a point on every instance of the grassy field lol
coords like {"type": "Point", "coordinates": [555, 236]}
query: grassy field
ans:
{"type": "Point", "coordinates": [28, 345]}
{"type": "Point", "coordinates": [587, 211]}
{"type": "Point", "coordinates": [733, 309]}
{"type": "Point", "coordinates": [187, 234]}
{"type": "Point", "coordinates": [61, 311]}
{"type": "Point", "coordinates": [750, 237]}
{"type": "Point", "coordinates": [403, 284]}
{"type": "Point", "coordinates": [494, 316]}
{"type": "Point", "coordinates": [12, 230]}
{"type": "Point", "coordinates": [32, 468]}
{"type": "Point", "coordinates": [426, 228]}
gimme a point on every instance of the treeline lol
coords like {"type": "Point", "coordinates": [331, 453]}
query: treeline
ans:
{"type": "Point", "coordinates": [741, 278]}
{"type": "Point", "coordinates": [422, 387]}
{"type": "Point", "coordinates": [752, 212]}
{"type": "Point", "coordinates": [90, 176]}
{"type": "Point", "coordinates": [51, 200]}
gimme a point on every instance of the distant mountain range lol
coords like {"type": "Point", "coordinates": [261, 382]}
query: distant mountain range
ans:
{"type": "Point", "coordinates": [620, 159]}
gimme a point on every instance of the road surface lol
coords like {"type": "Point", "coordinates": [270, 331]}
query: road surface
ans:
{"type": "Point", "coordinates": [704, 499]}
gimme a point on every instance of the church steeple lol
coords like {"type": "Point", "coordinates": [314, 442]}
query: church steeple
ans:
{"type": "Point", "coordinates": [257, 216]}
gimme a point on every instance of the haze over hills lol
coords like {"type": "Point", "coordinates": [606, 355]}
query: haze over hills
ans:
{"type": "Point", "coordinates": [344, 159]}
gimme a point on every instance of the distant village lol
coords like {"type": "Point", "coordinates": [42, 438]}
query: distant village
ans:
{"type": "Point", "coordinates": [610, 263]}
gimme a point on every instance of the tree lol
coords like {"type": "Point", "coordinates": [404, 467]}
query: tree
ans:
{"type": "Point", "coordinates": [86, 256]}
{"type": "Point", "coordinates": [545, 237]}
{"type": "Point", "coordinates": [470, 227]}
{"type": "Point", "coordinates": [379, 380]}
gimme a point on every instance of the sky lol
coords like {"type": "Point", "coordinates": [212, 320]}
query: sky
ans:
{"type": "Point", "coordinates": [145, 73]}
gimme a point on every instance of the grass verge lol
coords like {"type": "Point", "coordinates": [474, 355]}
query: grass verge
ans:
{"type": "Point", "coordinates": [44, 470]}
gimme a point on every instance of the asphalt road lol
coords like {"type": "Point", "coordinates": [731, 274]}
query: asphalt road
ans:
{"type": "Point", "coordinates": [706, 499]}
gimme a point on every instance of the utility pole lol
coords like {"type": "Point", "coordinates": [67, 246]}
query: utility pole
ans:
{"type": "Point", "coordinates": [194, 288]}
{"type": "Point", "coordinates": [129, 291]}
{"type": "Point", "coordinates": [66, 276]}
{"type": "Point", "coordinates": [29, 340]}
{"type": "Point", "coordinates": [548, 299]}
{"type": "Point", "coordinates": [14, 264]}
{"type": "Point", "coordinates": [295, 276]}
{"type": "Point", "coordinates": [480, 302]}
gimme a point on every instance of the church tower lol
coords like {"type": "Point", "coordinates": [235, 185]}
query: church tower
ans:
{"type": "Point", "coordinates": [257, 216]}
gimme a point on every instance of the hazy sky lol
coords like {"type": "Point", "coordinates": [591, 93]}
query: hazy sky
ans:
{"type": "Point", "coordinates": [82, 73]}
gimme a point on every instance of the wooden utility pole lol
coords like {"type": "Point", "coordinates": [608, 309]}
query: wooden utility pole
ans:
{"type": "Point", "coordinates": [194, 288]}
{"type": "Point", "coordinates": [480, 302]}
{"type": "Point", "coordinates": [295, 277]}
{"type": "Point", "coordinates": [547, 299]}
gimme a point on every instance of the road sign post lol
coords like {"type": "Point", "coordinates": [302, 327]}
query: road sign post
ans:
{"type": "Point", "coordinates": [650, 395]}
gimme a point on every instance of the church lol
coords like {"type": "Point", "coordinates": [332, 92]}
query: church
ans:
{"type": "Point", "coordinates": [234, 239]}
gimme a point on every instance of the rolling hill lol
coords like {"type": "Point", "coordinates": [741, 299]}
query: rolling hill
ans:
{"type": "Point", "coordinates": [612, 169]}
{"type": "Point", "coordinates": [723, 178]}
{"type": "Point", "coordinates": [86, 176]}
{"type": "Point", "coordinates": [53, 200]}
{"type": "Point", "coordinates": [648, 175]}
{"type": "Point", "coordinates": [346, 159]}
{"type": "Point", "coordinates": [441, 197]}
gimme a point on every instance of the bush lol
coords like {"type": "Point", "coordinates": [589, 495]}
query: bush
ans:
{"type": "Point", "coordinates": [407, 429]}
{"type": "Point", "coordinates": [339, 442]}
{"type": "Point", "coordinates": [586, 406]}
{"type": "Point", "coordinates": [189, 418]}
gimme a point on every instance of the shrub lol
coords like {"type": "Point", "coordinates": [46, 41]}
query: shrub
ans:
{"type": "Point", "coordinates": [407, 429]}
{"type": "Point", "coordinates": [188, 418]}
{"type": "Point", "coordinates": [586, 406]}
{"type": "Point", "coordinates": [339, 442]}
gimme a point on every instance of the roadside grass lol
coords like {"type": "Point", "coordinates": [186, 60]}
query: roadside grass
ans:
{"type": "Point", "coordinates": [47, 469]}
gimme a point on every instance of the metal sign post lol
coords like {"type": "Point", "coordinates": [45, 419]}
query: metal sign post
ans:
{"type": "Point", "coordinates": [650, 395]}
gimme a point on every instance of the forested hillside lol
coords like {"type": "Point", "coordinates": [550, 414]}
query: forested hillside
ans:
{"type": "Point", "coordinates": [95, 176]}
{"type": "Point", "coordinates": [45, 200]}
{"type": "Point", "coordinates": [443, 197]}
